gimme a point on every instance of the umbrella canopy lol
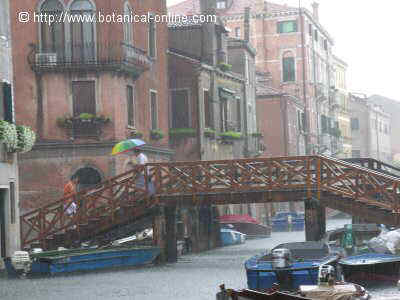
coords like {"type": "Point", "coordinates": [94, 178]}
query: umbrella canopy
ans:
{"type": "Point", "coordinates": [126, 146]}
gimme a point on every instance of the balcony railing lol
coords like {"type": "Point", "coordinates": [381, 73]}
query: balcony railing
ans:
{"type": "Point", "coordinates": [113, 56]}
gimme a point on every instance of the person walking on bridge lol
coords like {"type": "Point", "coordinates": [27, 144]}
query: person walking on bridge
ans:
{"type": "Point", "coordinates": [70, 189]}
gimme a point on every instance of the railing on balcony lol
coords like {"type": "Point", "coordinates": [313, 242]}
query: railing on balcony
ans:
{"type": "Point", "coordinates": [118, 56]}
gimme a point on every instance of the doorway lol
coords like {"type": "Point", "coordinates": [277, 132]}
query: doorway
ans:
{"type": "Point", "coordinates": [3, 194]}
{"type": "Point", "coordinates": [88, 178]}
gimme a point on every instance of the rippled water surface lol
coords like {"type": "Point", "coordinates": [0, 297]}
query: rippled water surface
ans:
{"type": "Point", "coordinates": [194, 277]}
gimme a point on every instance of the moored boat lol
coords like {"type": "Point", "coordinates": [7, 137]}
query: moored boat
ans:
{"type": "Point", "coordinates": [82, 259]}
{"type": "Point", "coordinates": [231, 237]}
{"type": "Point", "coordinates": [370, 267]}
{"type": "Point", "coordinates": [289, 265]}
{"type": "Point", "coordinates": [247, 225]}
{"type": "Point", "coordinates": [288, 221]}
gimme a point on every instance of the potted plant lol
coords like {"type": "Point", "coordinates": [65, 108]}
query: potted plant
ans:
{"type": "Point", "coordinates": [156, 134]}
{"type": "Point", "coordinates": [257, 135]}
{"type": "Point", "coordinates": [26, 138]}
{"type": "Point", "coordinates": [86, 117]}
{"type": "Point", "coordinates": [210, 133]}
{"type": "Point", "coordinates": [224, 67]}
{"type": "Point", "coordinates": [9, 135]}
{"type": "Point", "coordinates": [179, 133]}
{"type": "Point", "coordinates": [230, 135]}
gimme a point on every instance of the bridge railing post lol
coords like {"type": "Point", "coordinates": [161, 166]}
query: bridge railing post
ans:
{"type": "Point", "coordinates": [309, 176]}
{"type": "Point", "coordinates": [318, 173]}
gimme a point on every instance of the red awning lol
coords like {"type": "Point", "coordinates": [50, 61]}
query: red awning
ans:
{"type": "Point", "coordinates": [237, 219]}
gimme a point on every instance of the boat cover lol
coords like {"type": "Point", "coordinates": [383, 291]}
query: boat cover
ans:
{"type": "Point", "coordinates": [306, 250]}
{"type": "Point", "coordinates": [336, 292]}
{"type": "Point", "coordinates": [238, 219]}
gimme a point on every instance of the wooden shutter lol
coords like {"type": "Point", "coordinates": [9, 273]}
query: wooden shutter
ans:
{"type": "Point", "coordinates": [84, 97]}
{"type": "Point", "coordinates": [180, 109]}
{"type": "Point", "coordinates": [288, 69]}
{"type": "Point", "coordinates": [7, 103]}
{"type": "Point", "coordinates": [152, 38]}
{"type": "Point", "coordinates": [130, 105]}
{"type": "Point", "coordinates": [153, 110]}
{"type": "Point", "coordinates": [12, 202]}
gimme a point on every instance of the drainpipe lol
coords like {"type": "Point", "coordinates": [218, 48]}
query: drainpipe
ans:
{"type": "Point", "coordinates": [39, 110]}
{"type": "Point", "coordinates": [306, 104]}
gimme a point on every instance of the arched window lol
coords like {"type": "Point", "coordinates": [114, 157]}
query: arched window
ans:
{"type": "Point", "coordinates": [82, 31]}
{"type": "Point", "coordinates": [128, 25]}
{"type": "Point", "coordinates": [53, 35]}
{"type": "Point", "coordinates": [88, 177]}
{"type": "Point", "coordinates": [288, 67]}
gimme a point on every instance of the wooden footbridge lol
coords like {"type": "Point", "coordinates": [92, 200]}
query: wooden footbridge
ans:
{"type": "Point", "coordinates": [360, 191]}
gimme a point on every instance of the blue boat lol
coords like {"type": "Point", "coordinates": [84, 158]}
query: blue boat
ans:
{"type": "Point", "coordinates": [288, 221]}
{"type": "Point", "coordinates": [371, 267]}
{"type": "Point", "coordinates": [298, 266]}
{"type": "Point", "coordinates": [65, 261]}
{"type": "Point", "coordinates": [232, 237]}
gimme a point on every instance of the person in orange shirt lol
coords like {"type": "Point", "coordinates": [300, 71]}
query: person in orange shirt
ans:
{"type": "Point", "coordinates": [70, 189]}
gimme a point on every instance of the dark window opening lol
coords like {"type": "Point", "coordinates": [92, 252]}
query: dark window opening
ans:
{"type": "Point", "coordinates": [130, 105]}
{"type": "Point", "coordinates": [84, 100]}
{"type": "Point", "coordinates": [288, 69]}
{"type": "Point", "coordinates": [207, 110]}
{"type": "Point", "coordinates": [239, 115]}
{"type": "Point", "coordinates": [52, 35]}
{"type": "Point", "coordinates": [310, 29]}
{"type": "Point", "coordinates": [316, 35]}
{"type": "Point", "coordinates": [153, 110]}
{"type": "Point", "coordinates": [88, 177]}
{"type": "Point", "coordinates": [180, 109]}
{"type": "Point", "coordinates": [12, 202]}
{"type": "Point", "coordinates": [224, 123]}
{"type": "Point", "coordinates": [355, 124]}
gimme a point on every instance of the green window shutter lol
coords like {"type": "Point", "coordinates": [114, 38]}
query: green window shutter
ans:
{"type": "Point", "coordinates": [7, 103]}
{"type": "Point", "coordinates": [288, 69]}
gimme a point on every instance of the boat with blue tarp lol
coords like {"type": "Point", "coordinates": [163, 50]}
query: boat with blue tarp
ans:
{"type": "Point", "coordinates": [290, 265]}
{"type": "Point", "coordinates": [231, 237]}
{"type": "Point", "coordinates": [288, 221]}
{"type": "Point", "coordinates": [81, 259]}
{"type": "Point", "coordinates": [371, 267]}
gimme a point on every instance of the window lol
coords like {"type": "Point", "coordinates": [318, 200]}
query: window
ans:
{"type": "Point", "coordinates": [130, 105]}
{"type": "Point", "coordinates": [310, 29]}
{"type": "Point", "coordinates": [6, 98]}
{"type": "Point", "coordinates": [52, 35]}
{"type": "Point", "coordinates": [386, 129]}
{"type": "Point", "coordinates": [316, 35]}
{"type": "Point", "coordinates": [224, 114]}
{"type": "Point", "coordinates": [180, 109]}
{"type": "Point", "coordinates": [287, 27]}
{"type": "Point", "coordinates": [12, 202]}
{"type": "Point", "coordinates": [239, 114]}
{"type": "Point", "coordinates": [355, 125]}
{"type": "Point", "coordinates": [128, 29]}
{"type": "Point", "coordinates": [324, 124]}
{"type": "Point", "coordinates": [82, 33]}
{"type": "Point", "coordinates": [356, 153]}
{"type": "Point", "coordinates": [221, 4]}
{"type": "Point", "coordinates": [301, 120]}
{"type": "Point", "coordinates": [152, 38]}
{"type": "Point", "coordinates": [84, 100]}
{"type": "Point", "coordinates": [207, 110]}
{"type": "Point", "coordinates": [288, 67]}
{"type": "Point", "coordinates": [237, 32]}
{"type": "Point", "coordinates": [326, 45]}
{"type": "Point", "coordinates": [153, 110]}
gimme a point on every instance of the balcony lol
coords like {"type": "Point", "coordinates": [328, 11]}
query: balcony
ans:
{"type": "Point", "coordinates": [83, 128]}
{"type": "Point", "coordinates": [116, 57]}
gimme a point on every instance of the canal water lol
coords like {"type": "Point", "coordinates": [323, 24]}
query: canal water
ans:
{"type": "Point", "coordinates": [194, 277]}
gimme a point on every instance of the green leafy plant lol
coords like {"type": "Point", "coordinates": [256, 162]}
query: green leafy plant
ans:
{"type": "Point", "coordinates": [257, 134]}
{"type": "Point", "coordinates": [230, 135]}
{"type": "Point", "coordinates": [26, 139]}
{"type": "Point", "coordinates": [86, 117]}
{"type": "Point", "coordinates": [156, 134]}
{"type": "Point", "coordinates": [136, 134]}
{"type": "Point", "coordinates": [177, 133]}
{"type": "Point", "coordinates": [9, 135]}
{"type": "Point", "coordinates": [225, 67]}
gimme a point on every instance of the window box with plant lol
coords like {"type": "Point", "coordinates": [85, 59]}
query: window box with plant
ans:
{"type": "Point", "coordinates": [180, 133]}
{"type": "Point", "coordinates": [84, 125]}
{"type": "Point", "coordinates": [210, 133]}
{"type": "Point", "coordinates": [156, 134]}
{"type": "Point", "coordinates": [230, 136]}
{"type": "Point", "coordinates": [224, 67]}
{"type": "Point", "coordinates": [257, 135]}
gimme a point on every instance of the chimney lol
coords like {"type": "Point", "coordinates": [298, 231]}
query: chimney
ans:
{"type": "Point", "coordinates": [208, 7]}
{"type": "Point", "coordinates": [247, 24]}
{"type": "Point", "coordinates": [315, 6]}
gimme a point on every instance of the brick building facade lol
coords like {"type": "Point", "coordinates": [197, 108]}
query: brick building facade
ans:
{"type": "Point", "coordinates": [294, 48]}
{"type": "Point", "coordinates": [83, 86]}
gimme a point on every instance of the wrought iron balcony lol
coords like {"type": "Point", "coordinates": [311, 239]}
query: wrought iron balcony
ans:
{"type": "Point", "coordinates": [119, 57]}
